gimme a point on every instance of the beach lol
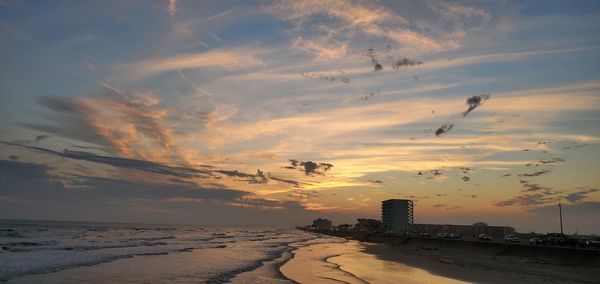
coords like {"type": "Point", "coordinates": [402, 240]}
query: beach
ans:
{"type": "Point", "coordinates": [362, 262]}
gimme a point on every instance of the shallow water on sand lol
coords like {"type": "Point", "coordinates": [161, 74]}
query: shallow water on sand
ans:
{"type": "Point", "coordinates": [346, 262]}
{"type": "Point", "coordinates": [373, 270]}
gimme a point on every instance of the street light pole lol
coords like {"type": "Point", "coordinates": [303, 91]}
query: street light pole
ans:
{"type": "Point", "coordinates": [560, 212]}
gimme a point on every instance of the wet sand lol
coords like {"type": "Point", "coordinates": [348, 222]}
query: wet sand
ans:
{"type": "Point", "coordinates": [309, 264]}
{"type": "Point", "coordinates": [356, 262]}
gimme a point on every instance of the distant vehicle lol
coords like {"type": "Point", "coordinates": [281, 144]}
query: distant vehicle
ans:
{"type": "Point", "coordinates": [551, 241]}
{"type": "Point", "coordinates": [571, 242]}
{"type": "Point", "coordinates": [484, 237]}
{"type": "Point", "coordinates": [511, 239]}
{"type": "Point", "coordinates": [583, 243]}
{"type": "Point", "coordinates": [453, 236]}
{"type": "Point", "coordinates": [535, 241]}
{"type": "Point", "coordinates": [424, 235]}
{"type": "Point", "coordinates": [441, 235]}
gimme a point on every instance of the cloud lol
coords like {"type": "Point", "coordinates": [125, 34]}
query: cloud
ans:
{"type": "Point", "coordinates": [125, 163]}
{"type": "Point", "coordinates": [457, 12]}
{"type": "Point", "coordinates": [405, 62]}
{"type": "Point", "coordinates": [310, 167]}
{"type": "Point", "coordinates": [258, 178]}
{"type": "Point", "coordinates": [372, 55]}
{"type": "Point", "coordinates": [527, 200]}
{"type": "Point", "coordinates": [580, 195]}
{"type": "Point", "coordinates": [30, 191]}
{"type": "Point", "coordinates": [551, 160]}
{"type": "Point", "coordinates": [339, 24]}
{"type": "Point", "coordinates": [528, 187]}
{"type": "Point", "coordinates": [444, 129]}
{"type": "Point", "coordinates": [130, 124]}
{"type": "Point", "coordinates": [318, 207]}
{"type": "Point", "coordinates": [535, 174]}
{"type": "Point", "coordinates": [544, 195]}
{"type": "Point", "coordinates": [412, 41]}
{"type": "Point", "coordinates": [228, 59]}
{"type": "Point", "coordinates": [157, 168]}
{"type": "Point", "coordinates": [304, 194]}
{"type": "Point", "coordinates": [321, 49]}
{"type": "Point", "coordinates": [475, 101]}
{"type": "Point", "coordinates": [349, 13]}
{"type": "Point", "coordinates": [292, 182]}
{"type": "Point", "coordinates": [330, 78]}
{"type": "Point", "coordinates": [172, 7]}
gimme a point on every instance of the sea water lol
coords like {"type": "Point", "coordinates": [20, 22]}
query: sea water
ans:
{"type": "Point", "coordinates": [68, 252]}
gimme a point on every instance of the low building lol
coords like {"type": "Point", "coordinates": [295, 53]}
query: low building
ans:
{"type": "Point", "coordinates": [322, 224]}
{"type": "Point", "coordinates": [345, 227]}
{"type": "Point", "coordinates": [466, 231]}
{"type": "Point", "coordinates": [368, 225]}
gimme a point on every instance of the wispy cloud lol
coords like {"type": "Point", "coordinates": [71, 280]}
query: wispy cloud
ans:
{"type": "Point", "coordinates": [458, 12]}
{"type": "Point", "coordinates": [119, 162]}
{"type": "Point", "coordinates": [227, 59]}
{"type": "Point", "coordinates": [172, 7]}
{"type": "Point", "coordinates": [347, 23]}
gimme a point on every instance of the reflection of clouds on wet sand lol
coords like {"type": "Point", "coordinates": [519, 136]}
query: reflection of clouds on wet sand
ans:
{"type": "Point", "coordinates": [373, 269]}
{"type": "Point", "coordinates": [347, 262]}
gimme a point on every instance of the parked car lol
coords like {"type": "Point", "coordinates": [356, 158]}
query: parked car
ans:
{"type": "Point", "coordinates": [535, 241]}
{"type": "Point", "coordinates": [484, 237]}
{"type": "Point", "coordinates": [454, 236]}
{"type": "Point", "coordinates": [424, 235]}
{"type": "Point", "coordinates": [441, 235]}
{"type": "Point", "coordinates": [511, 239]}
{"type": "Point", "coordinates": [595, 244]}
{"type": "Point", "coordinates": [551, 241]}
{"type": "Point", "coordinates": [583, 243]}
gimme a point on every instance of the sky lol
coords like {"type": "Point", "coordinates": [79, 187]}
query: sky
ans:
{"type": "Point", "coordinates": [273, 113]}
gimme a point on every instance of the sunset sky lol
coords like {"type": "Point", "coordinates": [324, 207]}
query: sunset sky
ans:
{"type": "Point", "coordinates": [272, 113]}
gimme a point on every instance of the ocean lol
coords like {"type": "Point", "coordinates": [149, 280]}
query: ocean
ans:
{"type": "Point", "coordinates": [69, 252]}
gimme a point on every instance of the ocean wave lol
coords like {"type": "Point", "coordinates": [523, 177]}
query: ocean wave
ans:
{"type": "Point", "coordinates": [6, 276]}
{"type": "Point", "coordinates": [111, 246]}
{"type": "Point", "coordinates": [74, 261]}
{"type": "Point", "coordinates": [226, 276]}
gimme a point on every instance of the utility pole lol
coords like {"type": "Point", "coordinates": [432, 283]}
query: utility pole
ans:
{"type": "Point", "coordinates": [560, 212]}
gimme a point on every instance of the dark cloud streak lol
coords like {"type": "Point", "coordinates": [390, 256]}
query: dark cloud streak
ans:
{"type": "Point", "coordinates": [444, 129]}
{"type": "Point", "coordinates": [474, 102]}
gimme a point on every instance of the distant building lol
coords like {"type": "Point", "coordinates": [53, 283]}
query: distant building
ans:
{"type": "Point", "coordinates": [397, 215]}
{"type": "Point", "coordinates": [345, 227]}
{"type": "Point", "coordinates": [322, 224]}
{"type": "Point", "coordinates": [368, 225]}
{"type": "Point", "coordinates": [466, 231]}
